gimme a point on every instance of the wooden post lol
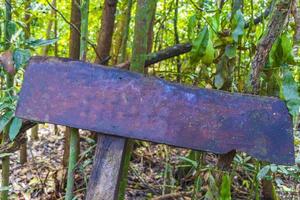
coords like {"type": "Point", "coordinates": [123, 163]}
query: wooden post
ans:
{"type": "Point", "coordinates": [104, 180]}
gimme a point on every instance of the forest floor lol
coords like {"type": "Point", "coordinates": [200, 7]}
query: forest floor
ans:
{"type": "Point", "coordinates": [154, 172]}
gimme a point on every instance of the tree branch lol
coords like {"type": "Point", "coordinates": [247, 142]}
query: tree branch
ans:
{"type": "Point", "coordinates": [263, 49]}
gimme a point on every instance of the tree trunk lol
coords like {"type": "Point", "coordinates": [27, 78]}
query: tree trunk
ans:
{"type": "Point", "coordinates": [125, 31]}
{"type": "Point", "coordinates": [106, 31]}
{"type": "Point", "coordinates": [84, 28]}
{"type": "Point", "coordinates": [110, 150]}
{"type": "Point", "coordinates": [23, 146]}
{"type": "Point", "coordinates": [296, 15]}
{"type": "Point", "coordinates": [49, 28]}
{"type": "Point", "coordinates": [74, 52]}
{"type": "Point", "coordinates": [176, 39]}
{"type": "Point", "coordinates": [72, 139]}
{"type": "Point", "coordinates": [140, 41]}
{"type": "Point", "coordinates": [55, 30]}
{"type": "Point", "coordinates": [144, 16]}
{"type": "Point", "coordinates": [263, 49]}
{"type": "Point", "coordinates": [9, 84]}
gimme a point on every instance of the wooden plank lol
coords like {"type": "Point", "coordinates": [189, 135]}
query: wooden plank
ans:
{"type": "Point", "coordinates": [127, 104]}
{"type": "Point", "coordinates": [104, 179]}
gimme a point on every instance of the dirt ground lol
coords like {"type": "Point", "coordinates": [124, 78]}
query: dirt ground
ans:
{"type": "Point", "coordinates": [153, 172]}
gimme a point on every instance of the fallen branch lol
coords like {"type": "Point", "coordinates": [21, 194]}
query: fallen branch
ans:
{"type": "Point", "coordinates": [161, 55]}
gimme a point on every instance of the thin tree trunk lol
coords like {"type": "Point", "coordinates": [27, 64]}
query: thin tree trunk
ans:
{"type": "Point", "coordinates": [34, 132]}
{"type": "Point", "coordinates": [23, 146]}
{"type": "Point", "coordinates": [296, 15]}
{"type": "Point", "coordinates": [72, 139]}
{"type": "Point", "coordinates": [275, 27]}
{"type": "Point", "coordinates": [49, 28]}
{"type": "Point", "coordinates": [55, 30]}
{"type": "Point", "coordinates": [9, 84]}
{"type": "Point", "coordinates": [176, 39]}
{"type": "Point", "coordinates": [84, 28]}
{"type": "Point", "coordinates": [150, 31]}
{"type": "Point", "coordinates": [119, 29]}
{"type": "Point", "coordinates": [66, 147]}
{"type": "Point", "coordinates": [142, 24]}
{"type": "Point", "coordinates": [106, 31]}
{"type": "Point", "coordinates": [263, 49]}
{"type": "Point", "coordinates": [125, 31]}
{"type": "Point", "coordinates": [144, 15]}
{"type": "Point", "coordinates": [74, 52]}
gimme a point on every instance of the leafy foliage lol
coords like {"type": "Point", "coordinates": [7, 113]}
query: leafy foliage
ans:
{"type": "Point", "coordinates": [14, 128]}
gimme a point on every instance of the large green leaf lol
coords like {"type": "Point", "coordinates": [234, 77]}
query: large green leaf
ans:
{"type": "Point", "coordinates": [209, 54]}
{"type": "Point", "coordinates": [225, 193]}
{"type": "Point", "coordinates": [14, 128]}
{"type": "Point", "coordinates": [282, 51]}
{"type": "Point", "coordinates": [11, 27]}
{"type": "Point", "coordinates": [263, 172]}
{"type": "Point", "coordinates": [238, 25]}
{"type": "Point", "coordinates": [230, 51]}
{"type": "Point", "coordinates": [199, 45]}
{"type": "Point", "coordinates": [221, 73]}
{"type": "Point", "coordinates": [289, 92]}
{"type": "Point", "coordinates": [191, 26]}
{"type": "Point", "coordinates": [21, 57]}
{"type": "Point", "coordinates": [287, 48]}
{"type": "Point", "coordinates": [41, 42]}
{"type": "Point", "coordinates": [5, 119]}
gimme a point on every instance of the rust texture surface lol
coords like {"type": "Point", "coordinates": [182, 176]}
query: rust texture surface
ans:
{"type": "Point", "coordinates": [126, 104]}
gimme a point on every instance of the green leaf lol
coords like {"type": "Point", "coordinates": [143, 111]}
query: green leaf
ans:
{"type": "Point", "coordinates": [221, 73]}
{"type": "Point", "coordinates": [209, 54]}
{"type": "Point", "coordinates": [4, 188]}
{"type": "Point", "coordinates": [41, 42]}
{"type": "Point", "coordinates": [213, 187]}
{"type": "Point", "coordinates": [225, 193]}
{"type": "Point", "coordinates": [238, 24]}
{"type": "Point", "coordinates": [273, 168]}
{"type": "Point", "coordinates": [287, 48]}
{"type": "Point", "coordinates": [282, 51]}
{"type": "Point", "coordinates": [263, 172]}
{"type": "Point", "coordinates": [219, 81]}
{"type": "Point", "coordinates": [21, 57]}
{"type": "Point", "coordinates": [289, 86]}
{"type": "Point", "coordinates": [230, 51]}
{"type": "Point", "coordinates": [5, 119]}
{"type": "Point", "coordinates": [294, 106]}
{"type": "Point", "coordinates": [283, 170]}
{"type": "Point", "coordinates": [11, 27]}
{"type": "Point", "coordinates": [191, 26]}
{"type": "Point", "coordinates": [192, 162]}
{"type": "Point", "coordinates": [3, 155]}
{"type": "Point", "coordinates": [199, 45]}
{"type": "Point", "coordinates": [289, 92]}
{"type": "Point", "coordinates": [15, 127]}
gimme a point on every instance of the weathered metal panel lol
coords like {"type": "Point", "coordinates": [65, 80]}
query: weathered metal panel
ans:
{"type": "Point", "coordinates": [126, 104]}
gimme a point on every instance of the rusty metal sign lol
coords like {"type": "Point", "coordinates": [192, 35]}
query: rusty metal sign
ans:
{"type": "Point", "coordinates": [126, 104]}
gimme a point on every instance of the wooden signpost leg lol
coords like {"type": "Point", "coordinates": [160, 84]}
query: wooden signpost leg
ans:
{"type": "Point", "coordinates": [106, 172]}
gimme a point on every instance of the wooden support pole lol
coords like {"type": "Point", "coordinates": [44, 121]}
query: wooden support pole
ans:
{"type": "Point", "coordinates": [104, 180]}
